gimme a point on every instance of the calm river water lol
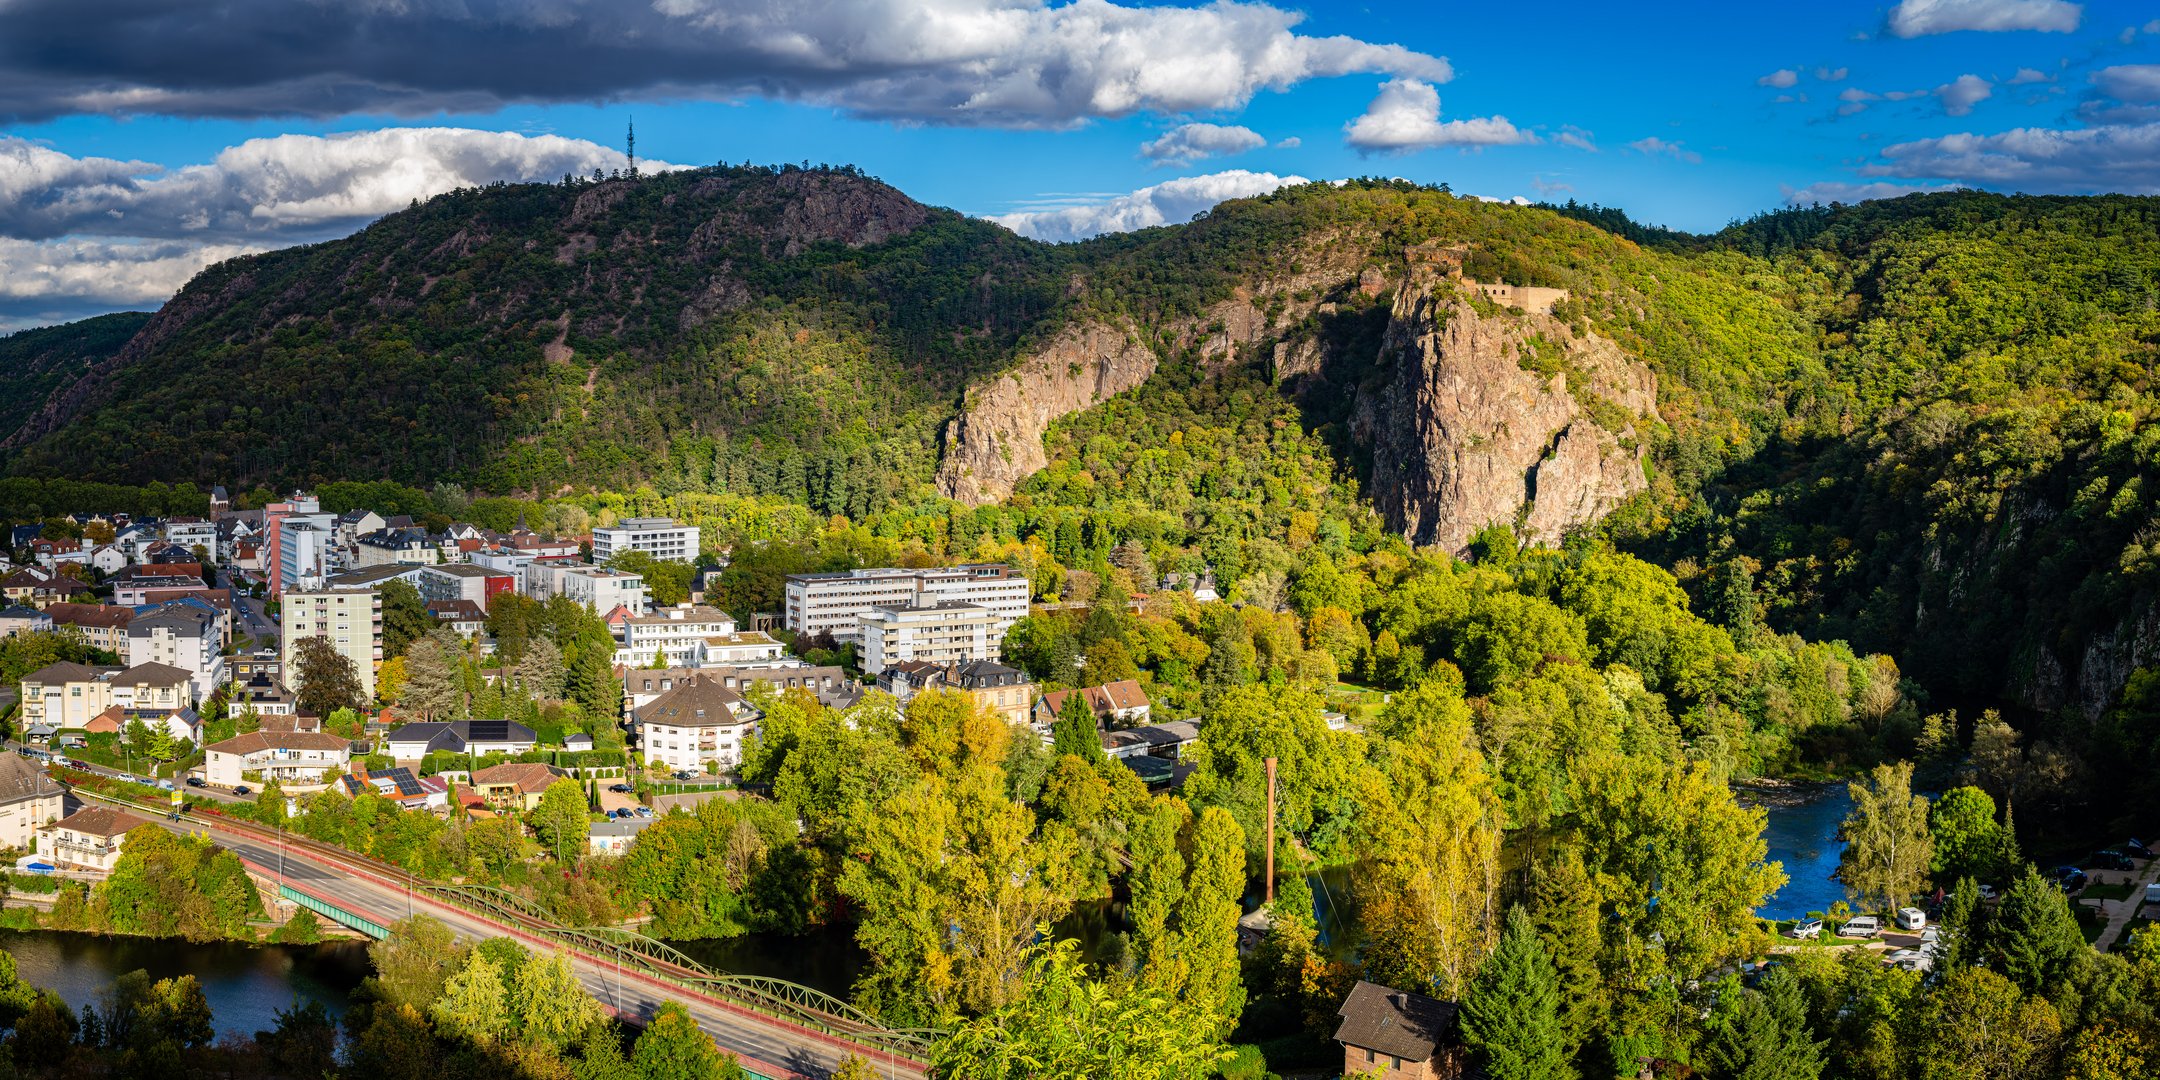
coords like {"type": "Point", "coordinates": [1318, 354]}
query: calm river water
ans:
{"type": "Point", "coordinates": [1802, 833]}
{"type": "Point", "coordinates": [246, 984]}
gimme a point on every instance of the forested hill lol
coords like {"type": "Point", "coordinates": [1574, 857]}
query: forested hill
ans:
{"type": "Point", "coordinates": [1923, 425]}
{"type": "Point", "coordinates": [36, 363]}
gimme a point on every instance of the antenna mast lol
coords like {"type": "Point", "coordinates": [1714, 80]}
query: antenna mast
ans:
{"type": "Point", "coordinates": [630, 146]}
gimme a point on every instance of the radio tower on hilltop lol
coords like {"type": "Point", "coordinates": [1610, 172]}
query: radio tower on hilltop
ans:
{"type": "Point", "coordinates": [630, 146]}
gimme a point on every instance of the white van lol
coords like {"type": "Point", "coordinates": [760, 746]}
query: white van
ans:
{"type": "Point", "coordinates": [1911, 918]}
{"type": "Point", "coordinates": [1861, 926]}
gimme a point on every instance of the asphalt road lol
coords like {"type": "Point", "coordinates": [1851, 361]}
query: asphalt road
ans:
{"type": "Point", "coordinates": [766, 1046]}
{"type": "Point", "coordinates": [122, 774]}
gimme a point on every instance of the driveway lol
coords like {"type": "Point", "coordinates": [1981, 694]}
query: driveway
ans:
{"type": "Point", "coordinates": [2120, 912]}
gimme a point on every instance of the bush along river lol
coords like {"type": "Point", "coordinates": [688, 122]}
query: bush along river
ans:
{"type": "Point", "coordinates": [1801, 831]}
{"type": "Point", "coordinates": [247, 985]}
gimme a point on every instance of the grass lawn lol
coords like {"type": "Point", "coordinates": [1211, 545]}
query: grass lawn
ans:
{"type": "Point", "coordinates": [2112, 891]}
{"type": "Point", "coordinates": [2133, 926]}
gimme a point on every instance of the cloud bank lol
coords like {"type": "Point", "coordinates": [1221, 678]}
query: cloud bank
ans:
{"type": "Point", "coordinates": [1167, 203]}
{"type": "Point", "coordinates": [80, 235]}
{"type": "Point", "coordinates": [1001, 63]}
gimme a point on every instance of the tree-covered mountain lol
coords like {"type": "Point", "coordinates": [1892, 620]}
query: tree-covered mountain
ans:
{"type": "Point", "coordinates": [1921, 425]}
{"type": "Point", "coordinates": [35, 363]}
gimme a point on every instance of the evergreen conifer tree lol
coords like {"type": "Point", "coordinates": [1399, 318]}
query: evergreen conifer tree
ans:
{"type": "Point", "coordinates": [1511, 1015]}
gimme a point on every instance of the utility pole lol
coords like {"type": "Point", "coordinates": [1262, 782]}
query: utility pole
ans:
{"type": "Point", "coordinates": [1270, 830]}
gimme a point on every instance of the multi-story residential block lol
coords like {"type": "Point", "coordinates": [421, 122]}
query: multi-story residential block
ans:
{"type": "Point", "coordinates": [697, 722]}
{"type": "Point", "coordinates": [350, 619]}
{"type": "Point", "coordinates": [153, 688]}
{"type": "Point", "coordinates": [351, 525]}
{"type": "Point", "coordinates": [88, 839]}
{"type": "Point", "coordinates": [830, 603]}
{"type": "Point", "coordinates": [191, 533]}
{"type": "Point", "coordinates": [396, 547]}
{"type": "Point", "coordinates": [641, 686]}
{"type": "Point", "coordinates": [464, 581]}
{"type": "Point", "coordinates": [661, 538]}
{"type": "Point", "coordinates": [65, 694]}
{"type": "Point", "coordinates": [284, 756]}
{"type": "Point", "coordinates": [134, 590]}
{"type": "Point", "coordinates": [1003, 690]}
{"type": "Point", "coordinates": [182, 635]}
{"type": "Point", "coordinates": [29, 800]}
{"type": "Point", "coordinates": [297, 540]}
{"type": "Point", "coordinates": [674, 635]}
{"type": "Point", "coordinates": [599, 588]}
{"type": "Point", "coordinates": [375, 577]}
{"type": "Point", "coordinates": [945, 633]}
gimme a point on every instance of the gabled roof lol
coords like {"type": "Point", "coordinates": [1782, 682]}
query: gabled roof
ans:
{"type": "Point", "coordinates": [153, 675]}
{"type": "Point", "coordinates": [1109, 697]}
{"type": "Point", "coordinates": [20, 779]}
{"type": "Point", "coordinates": [109, 615]}
{"type": "Point", "coordinates": [455, 610]}
{"type": "Point", "coordinates": [526, 776]}
{"type": "Point", "coordinates": [1393, 1022]}
{"type": "Point", "coordinates": [255, 742]}
{"type": "Point", "coordinates": [99, 821]}
{"type": "Point", "coordinates": [697, 702]}
{"type": "Point", "coordinates": [65, 671]}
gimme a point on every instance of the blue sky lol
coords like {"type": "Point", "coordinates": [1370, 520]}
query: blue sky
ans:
{"type": "Point", "coordinates": [175, 134]}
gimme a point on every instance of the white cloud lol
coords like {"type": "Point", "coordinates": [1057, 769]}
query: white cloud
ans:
{"type": "Point", "coordinates": [295, 186]}
{"type": "Point", "coordinates": [2122, 159]}
{"type": "Point", "coordinates": [1959, 95]}
{"type": "Point", "coordinates": [2129, 82]}
{"type": "Point", "coordinates": [1167, 203]}
{"type": "Point", "coordinates": [1290, 143]}
{"type": "Point", "coordinates": [2153, 27]}
{"type": "Point", "coordinates": [82, 235]}
{"type": "Point", "coordinates": [1570, 135]}
{"type": "Point", "coordinates": [1405, 116]}
{"type": "Point", "coordinates": [1827, 74]}
{"type": "Point", "coordinates": [1840, 192]}
{"type": "Point", "coordinates": [2029, 75]}
{"type": "Point", "coordinates": [1654, 146]}
{"type": "Point", "coordinates": [1919, 18]}
{"type": "Point", "coordinates": [1187, 143]}
{"type": "Point", "coordinates": [1782, 79]}
{"type": "Point", "coordinates": [999, 63]}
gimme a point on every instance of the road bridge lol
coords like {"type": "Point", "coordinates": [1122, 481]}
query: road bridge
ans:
{"type": "Point", "coordinates": [774, 1037]}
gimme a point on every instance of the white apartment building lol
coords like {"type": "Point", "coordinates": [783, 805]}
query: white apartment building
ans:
{"type": "Point", "coordinates": [284, 756]}
{"type": "Point", "coordinates": [676, 634]}
{"type": "Point", "coordinates": [192, 533]}
{"type": "Point", "coordinates": [463, 581]}
{"type": "Point", "coordinates": [185, 636]}
{"type": "Point", "coordinates": [661, 538]}
{"type": "Point", "coordinates": [600, 589]}
{"type": "Point", "coordinates": [509, 561]}
{"type": "Point", "coordinates": [697, 722]}
{"type": "Point", "coordinates": [351, 619]}
{"type": "Point", "coordinates": [947, 633]}
{"type": "Point", "coordinates": [832, 603]}
{"type": "Point", "coordinates": [305, 547]}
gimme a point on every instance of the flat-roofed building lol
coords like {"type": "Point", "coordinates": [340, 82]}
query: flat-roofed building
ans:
{"type": "Point", "coordinates": [599, 588]}
{"type": "Point", "coordinates": [661, 538]}
{"type": "Point", "coordinates": [830, 603]}
{"type": "Point", "coordinates": [947, 633]}
{"type": "Point", "coordinates": [349, 619]}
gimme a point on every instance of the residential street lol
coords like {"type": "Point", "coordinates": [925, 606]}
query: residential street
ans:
{"type": "Point", "coordinates": [2120, 912]}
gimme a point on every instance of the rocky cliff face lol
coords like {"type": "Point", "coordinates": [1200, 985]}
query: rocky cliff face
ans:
{"type": "Point", "coordinates": [1485, 419]}
{"type": "Point", "coordinates": [996, 441]}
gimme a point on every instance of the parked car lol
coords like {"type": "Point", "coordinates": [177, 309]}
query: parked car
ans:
{"type": "Point", "coordinates": [1861, 926]}
{"type": "Point", "coordinates": [685, 774]}
{"type": "Point", "coordinates": [1806, 929]}
{"type": "Point", "coordinates": [2136, 848]}
{"type": "Point", "coordinates": [242, 789]}
{"type": "Point", "coordinates": [2152, 893]}
{"type": "Point", "coordinates": [164, 785]}
{"type": "Point", "coordinates": [642, 811]}
{"type": "Point", "coordinates": [2111, 859]}
{"type": "Point", "coordinates": [2074, 881]}
{"type": "Point", "coordinates": [621, 789]}
{"type": "Point", "coordinates": [1988, 893]}
{"type": "Point", "coordinates": [1911, 918]}
{"type": "Point", "coordinates": [197, 781]}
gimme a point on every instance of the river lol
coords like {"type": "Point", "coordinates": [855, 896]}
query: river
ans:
{"type": "Point", "coordinates": [1802, 832]}
{"type": "Point", "coordinates": [246, 984]}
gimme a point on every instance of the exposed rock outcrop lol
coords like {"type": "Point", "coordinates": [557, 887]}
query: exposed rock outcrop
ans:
{"type": "Point", "coordinates": [996, 441]}
{"type": "Point", "coordinates": [1464, 434]}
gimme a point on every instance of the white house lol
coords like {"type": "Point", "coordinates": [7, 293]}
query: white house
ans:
{"type": "Point", "coordinates": [284, 756]}
{"type": "Point", "coordinates": [29, 800]}
{"type": "Point", "coordinates": [88, 839]}
{"type": "Point", "coordinates": [697, 722]}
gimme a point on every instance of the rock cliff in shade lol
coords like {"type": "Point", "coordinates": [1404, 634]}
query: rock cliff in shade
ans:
{"type": "Point", "coordinates": [1487, 419]}
{"type": "Point", "coordinates": [996, 440]}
